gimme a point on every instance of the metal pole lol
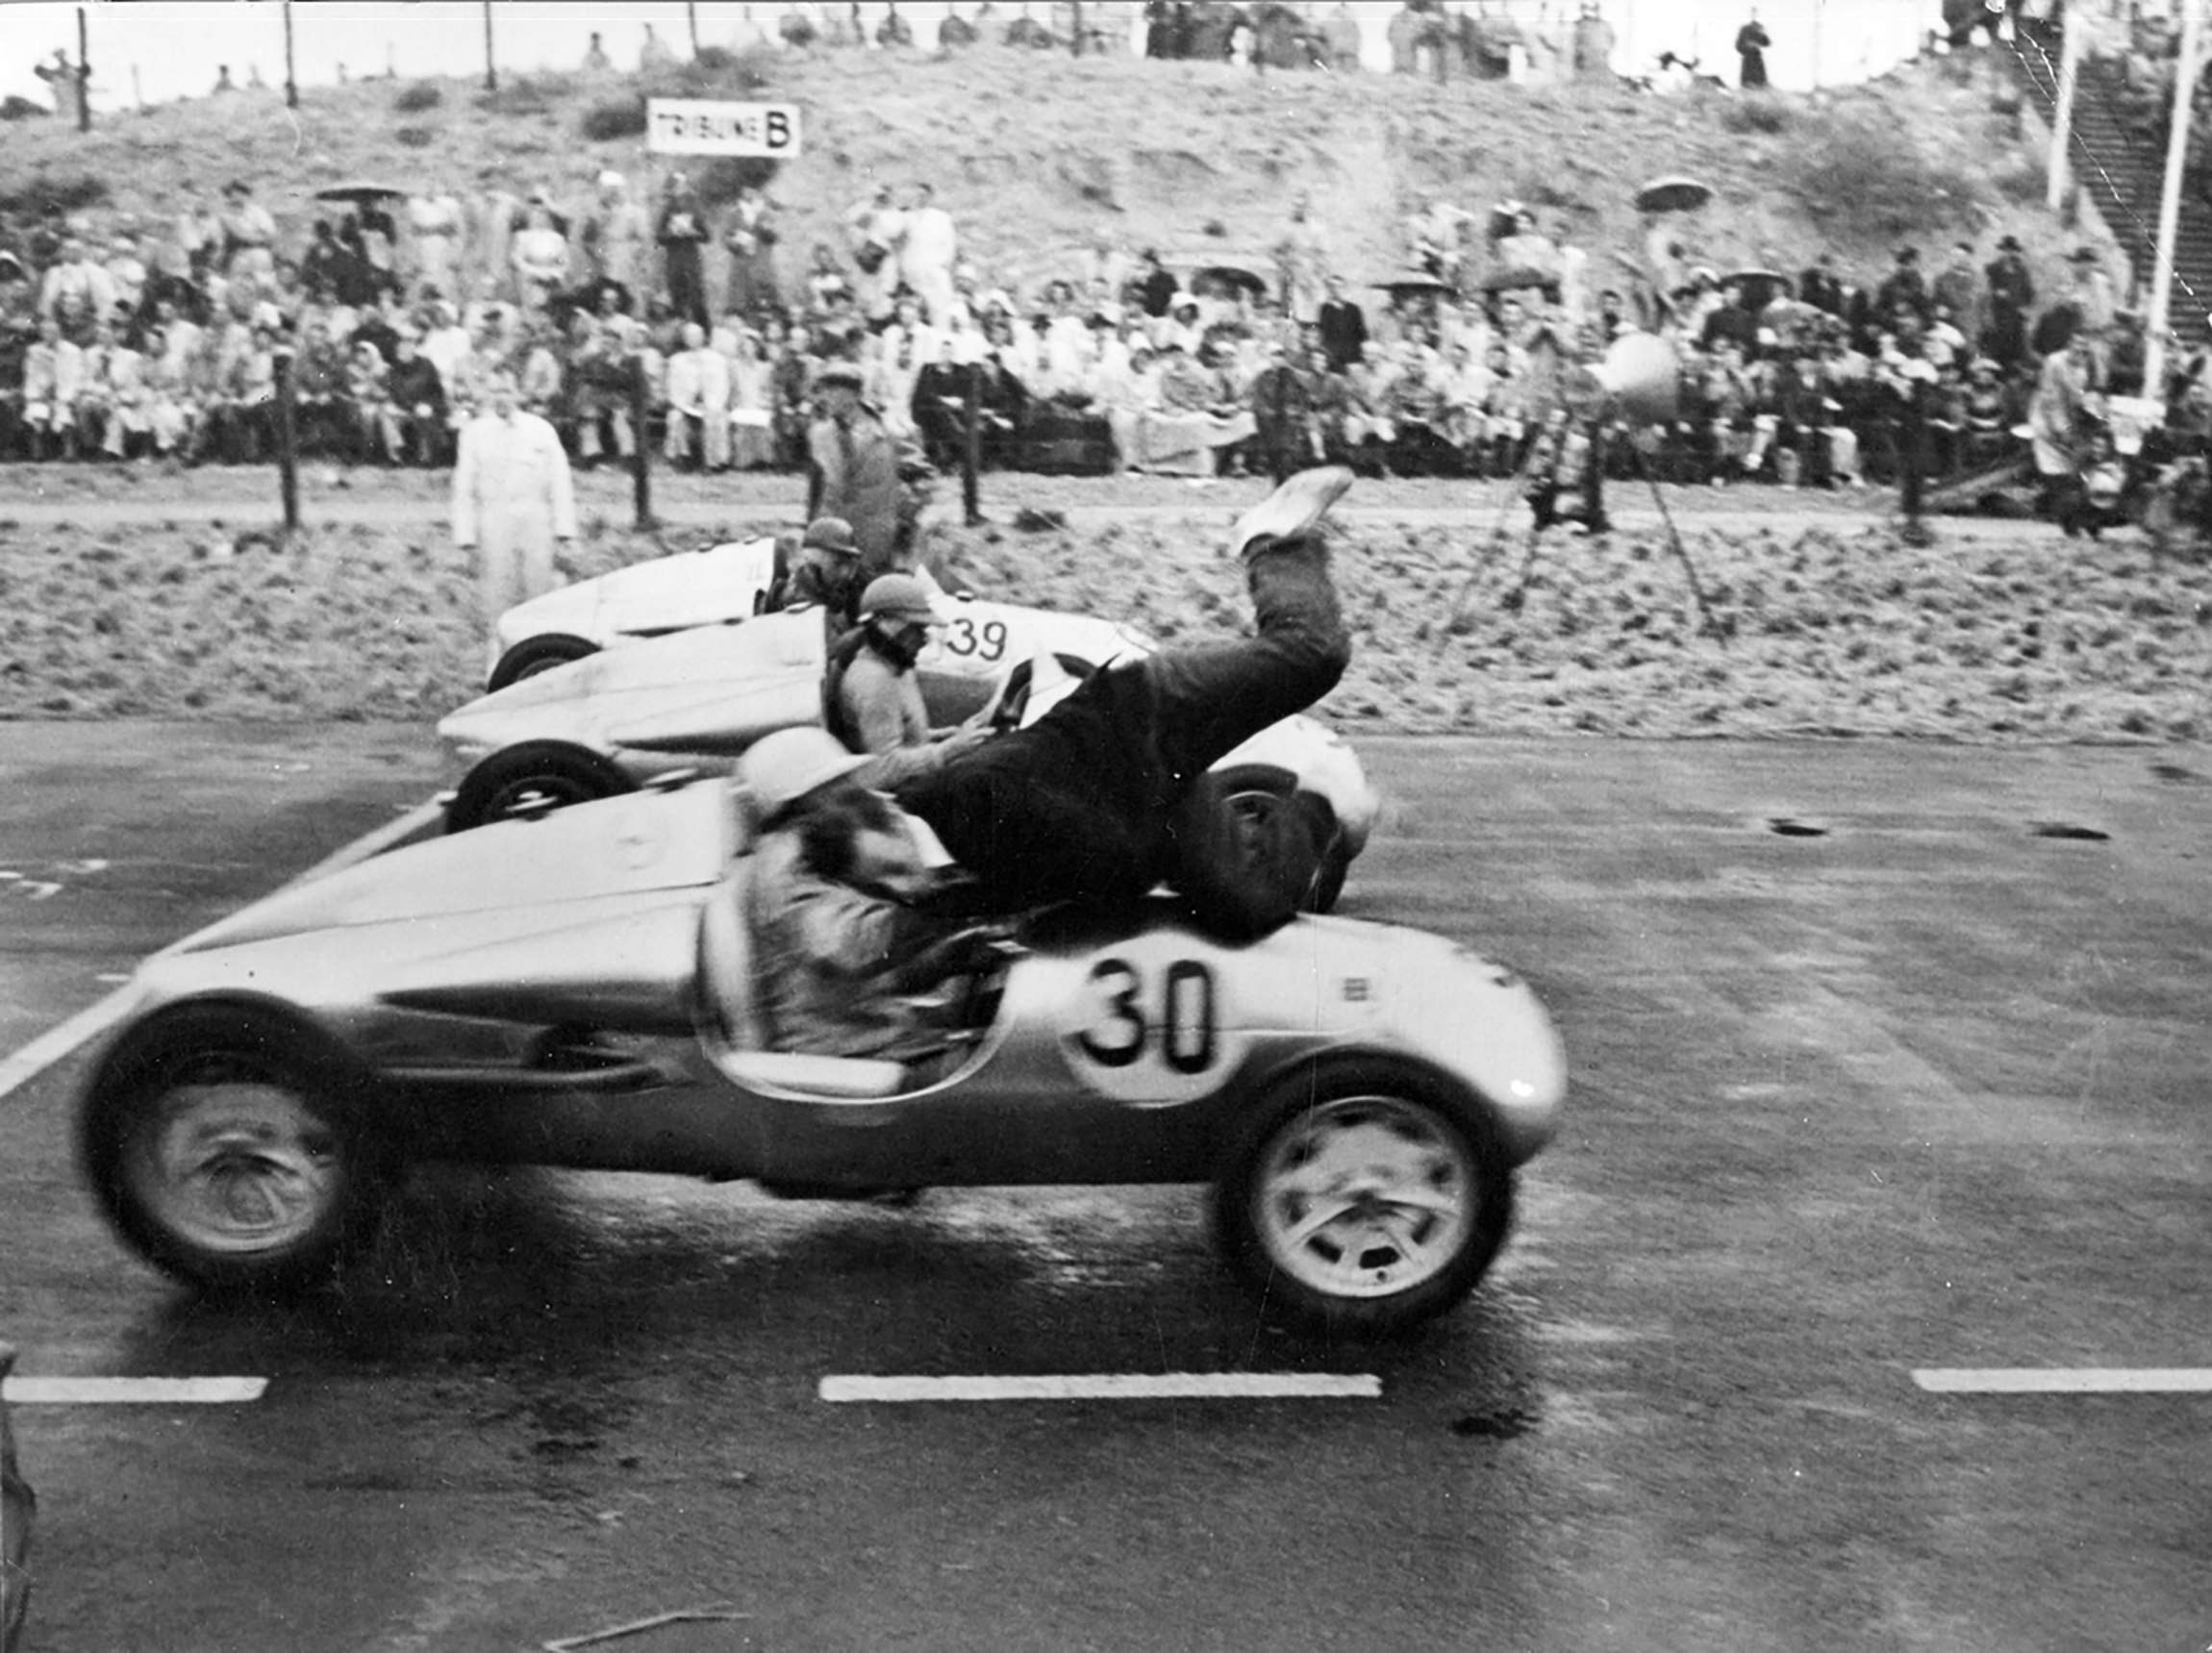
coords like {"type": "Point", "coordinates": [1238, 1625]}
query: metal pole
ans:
{"type": "Point", "coordinates": [972, 450]}
{"type": "Point", "coordinates": [84, 74]}
{"type": "Point", "coordinates": [290, 79]}
{"type": "Point", "coordinates": [2185, 73]}
{"type": "Point", "coordinates": [1076, 46]}
{"type": "Point", "coordinates": [491, 68]}
{"type": "Point", "coordinates": [641, 454]}
{"type": "Point", "coordinates": [2062, 122]}
{"type": "Point", "coordinates": [692, 17]}
{"type": "Point", "coordinates": [288, 443]}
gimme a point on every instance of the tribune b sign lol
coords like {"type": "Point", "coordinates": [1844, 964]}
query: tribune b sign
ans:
{"type": "Point", "coordinates": [700, 126]}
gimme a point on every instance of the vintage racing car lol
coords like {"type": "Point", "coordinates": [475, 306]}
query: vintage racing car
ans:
{"type": "Point", "coordinates": [576, 991]}
{"type": "Point", "coordinates": [717, 586]}
{"type": "Point", "coordinates": [695, 699]}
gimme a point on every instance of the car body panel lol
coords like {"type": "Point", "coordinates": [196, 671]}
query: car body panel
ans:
{"type": "Point", "coordinates": [714, 586]}
{"type": "Point", "coordinates": [1113, 1052]}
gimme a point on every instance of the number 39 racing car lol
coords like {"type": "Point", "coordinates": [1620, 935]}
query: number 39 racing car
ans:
{"type": "Point", "coordinates": [614, 718]}
{"type": "Point", "coordinates": [577, 991]}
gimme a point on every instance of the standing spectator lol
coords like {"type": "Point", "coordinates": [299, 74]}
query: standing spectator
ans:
{"type": "Point", "coordinates": [435, 225]}
{"type": "Point", "coordinates": [127, 274]}
{"type": "Point", "coordinates": [1300, 262]}
{"type": "Point", "coordinates": [1904, 292]}
{"type": "Point", "coordinates": [2091, 291]}
{"type": "Point", "coordinates": [698, 392]}
{"type": "Point", "coordinates": [1156, 287]}
{"type": "Point", "coordinates": [927, 253]}
{"type": "Point", "coordinates": [617, 236]}
{"type": "Point", "coordinates": [654, 55]}
{"type": "Point", "coordinates": [852, 465]}
{"type": "Point", "coordinates": [199, 234]}
{"type": "Point", "coordinates": [512, 499]}
{"type": "Point", "coordinates": [596, 62]}
{"type": "Point", "coordinates": [1343, 326]}
{"type": "Point", "coordinates": [540, 254]}
{"type": "Point", "coordinates": [65, 84]}
{"type": "Point", "coordinates": [752, 243]}
{"type": "Point", "coordinates": [2058, 418]}
{"type": "Point", "coordinates": [1340, 33]}
{"type": "Point", "coordinates": [953, 31]}
{"type": "Point", "coordinates": [752, 405]}
{"type": "Point", "coordinates": [874, 228]}
{"type": "Point", "coordinates": [249, 234]}
{"type": "Point", "coordinates": [2011, 296]}
{"type": "Point", "coordinates": [76, 292]}
{"type": "Point", "coordinates": [1751, 45]}
{"type": "Point", "coordinates": [682, 231]}
{"type": "Point", "coordinates": [1957, 289]}
{"type": "Point", "coordinates": [1283, 418]}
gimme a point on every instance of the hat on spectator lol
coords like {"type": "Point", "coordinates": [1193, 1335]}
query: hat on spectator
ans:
{"type": "Point", "coordinates": [831, 533]}
{"type": "Point", "coordinates": [2008, 244]}
{"type": "Point", "coordinates": [845, 373]}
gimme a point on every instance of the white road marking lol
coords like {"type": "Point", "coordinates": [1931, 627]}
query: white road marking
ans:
{"type": "Point", "coordinates": [132, 1391]}
{"type": "Point", "coordinates": [34, 1058]}
{"type": "Point", "coordinates": [1111, 1385]}
{"type": "Point", "coordinates": [2064, 1379]}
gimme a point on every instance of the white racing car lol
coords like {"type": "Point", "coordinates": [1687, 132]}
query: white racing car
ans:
{"type": "Point", "coordinates": [579, 990]}
{"type": "Point", "coordinates": [692, 697]}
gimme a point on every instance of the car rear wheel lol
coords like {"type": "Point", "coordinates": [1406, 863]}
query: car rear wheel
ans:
{"type": "Point", "coordinates": [1364, 1197]}
{"type": "Point", "coordinates": [232, 1148]}
{"type": "Point", "coordinates": [534, 655]}
{"type": "Point", "coordinates": [529, 779]}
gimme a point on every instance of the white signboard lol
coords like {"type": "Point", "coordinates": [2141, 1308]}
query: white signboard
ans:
{"type": "Point", "coordinates": [701, 126]}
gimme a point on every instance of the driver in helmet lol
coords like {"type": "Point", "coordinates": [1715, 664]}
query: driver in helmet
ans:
{"type": "Point", "coordinates": [835, 906]}
{"type": "Point", "coordinates": [871, 699]}
{"type": "Point", "coordinates": [825, 574]}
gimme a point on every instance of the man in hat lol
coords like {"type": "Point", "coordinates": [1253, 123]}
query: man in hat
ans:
{"type": "Point", "coordinates": [870, 697]}
{"type": "Point", "coordinates": [852, 467]}
{"type": "Point", "coordinates": [825, 574]}
{"type": "Point", "coordinates": [1904, 292]}
{"type": "Point", "coordinates": [2011, 296]}
{"type": "Point", "coordinates": [513, 498]}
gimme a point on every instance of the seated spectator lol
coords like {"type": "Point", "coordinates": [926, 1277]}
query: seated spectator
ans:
{"type": "Point", "coordinates": [53, 378]}
{"type": "Point", "coordinates": [698, 404]}
{"type": "Point", "coordinates": [600, 383]}
{"type": "Point", "coordinates": [375, 420]}
{"type": "Point", "coordinates": [752, 404]}
{"type": "Point", "coordinates": [417, 414]}
{"type": "Point", "coordinates": [1285, 436]}
{"type": "Point", "coordinates": [539, 254]}
{"type": "Point", "coordinates": [322, 408]}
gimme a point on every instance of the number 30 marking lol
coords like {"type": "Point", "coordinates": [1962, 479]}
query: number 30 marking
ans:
{"type": "Point", "coordinates": [1185, 1032]}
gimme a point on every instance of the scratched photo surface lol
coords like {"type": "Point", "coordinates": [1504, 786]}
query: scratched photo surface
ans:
{"type": "Point", "coordinates": [1724, 1170]}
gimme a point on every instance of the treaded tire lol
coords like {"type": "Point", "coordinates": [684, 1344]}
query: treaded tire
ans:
{"type": "Point", "coordinates": [552, 769]}
{"type": "Point", "coordinates": [212, 1049]}
{"type": "Point", "coordinates": [1356, 1103]}
{"type": "Point", "coordinates": [534, 655]}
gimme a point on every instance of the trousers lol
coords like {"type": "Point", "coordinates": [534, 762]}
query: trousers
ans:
{"type": "Point", "coordinates": [1094, 802]}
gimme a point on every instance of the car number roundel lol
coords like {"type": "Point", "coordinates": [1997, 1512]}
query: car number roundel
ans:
{"type": "Point", "coordinates": [1146, 1023]}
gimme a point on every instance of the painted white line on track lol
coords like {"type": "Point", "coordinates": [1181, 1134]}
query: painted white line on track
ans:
{"type": "Point", "coordinates": [2064, 1379]}
{"type": "Point", "coordinates": [23, 1066]}
{"type": "Point", "coordinates": [132, 1391]}
{"type": "Point", "coordinates": [1110, 1385]}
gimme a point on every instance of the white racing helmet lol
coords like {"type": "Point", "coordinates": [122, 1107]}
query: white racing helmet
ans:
{"type": "Point", "coordinates": [781, 768]}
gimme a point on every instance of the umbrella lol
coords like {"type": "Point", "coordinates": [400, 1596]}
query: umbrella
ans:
{"type": "Point", "coordinates": [360, 190]}
{"type": "Point", "coordinates": [1232, 276]}
{"type": "Point", "coordinates": [1514, 277]}
{"type": "Point", "coordinates": [1398, 287]}
{"type": "Point", "coordinates": [1673, 195]}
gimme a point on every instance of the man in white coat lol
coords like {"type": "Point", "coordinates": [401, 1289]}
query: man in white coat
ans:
{"type": "Point", "coordinates": [512, 499]}
{"type": "Point", "coordinates": [926, 254]}
{"type": "Point", "coordinates": [699, 389]}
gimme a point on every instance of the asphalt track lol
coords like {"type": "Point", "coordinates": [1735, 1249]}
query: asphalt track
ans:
{"type": "Point", "coordinates": [1888, 1061]}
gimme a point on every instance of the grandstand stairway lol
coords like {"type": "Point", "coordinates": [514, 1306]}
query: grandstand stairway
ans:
{"type": "Point", "coordinates": [2119, 157]}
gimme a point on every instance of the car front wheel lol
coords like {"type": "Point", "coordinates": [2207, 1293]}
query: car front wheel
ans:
{"type": "Point", "coordinates": [232, 1148]}
{"type": "Point", "coordinates": [528, 779]}
{"type": "Point", "coordinates": [1364, 1197]}
{"type": "Point", "coordinates": [534, 655]}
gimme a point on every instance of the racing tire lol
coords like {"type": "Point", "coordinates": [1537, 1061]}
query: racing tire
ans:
{"type": "Point", "coordinates": [234, 1148]}
{"type": "Point", "coordinates": [1263, 789]}
{"type": "Point", "coordinates": [1363, 1196]}
{"type": "Point", "coordinates": [535, 774]}
{"type": "Point", "coordinates": [534, 655]}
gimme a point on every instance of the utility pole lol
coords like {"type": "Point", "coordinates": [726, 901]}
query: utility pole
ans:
{"type": "Point", "coordinates": [491, 70]}
{"type": "Point", "coordinates": [2062, 123]}
{"type": "Point", "coordinates": [84, 74]}
{"type": "Point", "coordinates": [2185, 72]}
{"type": "Point", "coordinates": [692, 17]}
{"type": "Point", "coordinates": [290, 78]}
{"type": "Point", "coordinates": [1075, 27]}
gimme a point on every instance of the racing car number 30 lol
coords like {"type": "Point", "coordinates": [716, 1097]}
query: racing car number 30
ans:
{"type": "Point", "coordinates": [1149, 1031]}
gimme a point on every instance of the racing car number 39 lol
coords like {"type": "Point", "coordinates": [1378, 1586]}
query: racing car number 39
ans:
{"type": "Point", "coordinates": [1148, 1028]}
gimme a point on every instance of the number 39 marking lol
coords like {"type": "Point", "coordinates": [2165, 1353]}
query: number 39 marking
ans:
{"type": "Point", "coordinates": [1177, 1028]}
{"type": "Point", "coordinates": [964, 637]}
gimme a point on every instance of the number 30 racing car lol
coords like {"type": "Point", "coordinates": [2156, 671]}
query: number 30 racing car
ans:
{"type": "Point", "coordinates": [577, 991]}
{"type": "Point", "coordinates": [695, 699]}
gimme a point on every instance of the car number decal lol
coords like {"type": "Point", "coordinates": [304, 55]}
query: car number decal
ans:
{"type": "Point", "coordinates": [964, 640]}
{"type": "Point", "coordinates": [1149, 1031]}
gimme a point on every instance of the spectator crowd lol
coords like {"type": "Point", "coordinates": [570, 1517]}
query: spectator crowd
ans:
{"type": "Point", "coordinates": [633, 314]}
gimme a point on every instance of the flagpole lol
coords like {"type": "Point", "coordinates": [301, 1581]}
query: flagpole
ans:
{"type": "Point", "coordinates": [2062, 121]}
{"type": "Point", "coordinates": [2185, 72]}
